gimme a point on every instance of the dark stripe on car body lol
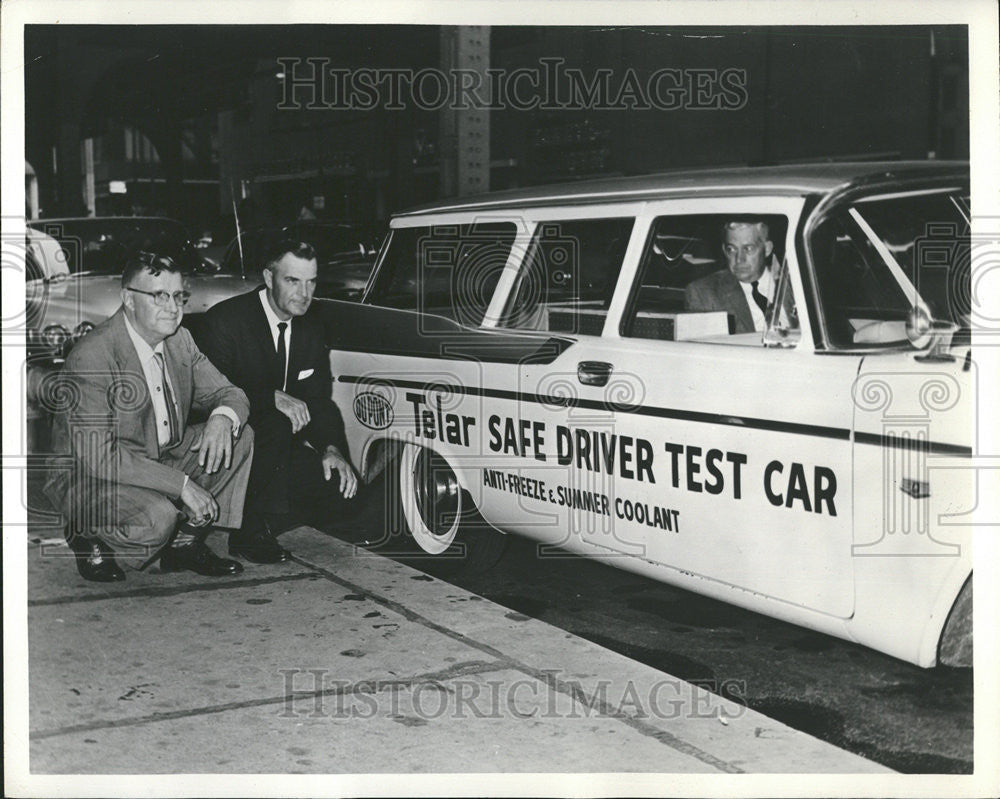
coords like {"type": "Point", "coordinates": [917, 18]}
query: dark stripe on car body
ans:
{"type": "Point", "coordinates": [771, 425]}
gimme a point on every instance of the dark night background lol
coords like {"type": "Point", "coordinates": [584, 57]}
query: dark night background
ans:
{"type": "Point", "coordinates": [186, 117]}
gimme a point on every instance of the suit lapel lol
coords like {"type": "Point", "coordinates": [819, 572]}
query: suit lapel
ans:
{"type": "Point", "coordinates": [179, 371]}
{"type": "Point", "coordinates": [260, 331]}
{"type": "Point", "coordinates": [129, 359]}
{"type": "Point", "coordinates": [737, 299]}
{"type": "Point", "coordinates": [296, 354]}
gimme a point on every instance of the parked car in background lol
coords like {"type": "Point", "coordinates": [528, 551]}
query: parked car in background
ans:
{"type": "Point", "coordinates": [75, 267]}
{"type": "Point", "coordinates": [530, 358]}
{"type": "Point", "coordinates": [345, 254]}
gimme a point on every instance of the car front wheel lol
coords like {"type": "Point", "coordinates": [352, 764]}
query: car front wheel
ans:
{"type": "Point", "coordinates": [440, 517]}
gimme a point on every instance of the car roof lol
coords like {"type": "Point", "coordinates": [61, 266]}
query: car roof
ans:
{"type": "Point", "coordinates": [790, 179]}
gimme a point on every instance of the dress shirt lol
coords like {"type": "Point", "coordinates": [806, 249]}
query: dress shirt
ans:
{"type": "Point", "coordinates": [151, 371]}
{"type": "Point", "coordinates": [273, 320]}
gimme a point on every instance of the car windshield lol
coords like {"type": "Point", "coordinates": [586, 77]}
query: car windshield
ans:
{"type": "Point", "coordinates": [103, 246]}
{"type": "Point", "coordinates": [881, 256]}
{"type": "Point", "coordinates": [332, 242]}
{"type": "Point", "coordinates": [335, 245]}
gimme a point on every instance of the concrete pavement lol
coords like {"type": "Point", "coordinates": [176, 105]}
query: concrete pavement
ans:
{"type": "Point", "coordinates": [344, 662]}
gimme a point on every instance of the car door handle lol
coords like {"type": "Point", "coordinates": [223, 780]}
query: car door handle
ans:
{"type": "Point", "coordinates": [594, 373]}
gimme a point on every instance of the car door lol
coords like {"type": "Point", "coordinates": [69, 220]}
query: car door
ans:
{"type": "Point", "coordinates": [669, 440]}
{"type": "Point", "coordinates": [558, 291]}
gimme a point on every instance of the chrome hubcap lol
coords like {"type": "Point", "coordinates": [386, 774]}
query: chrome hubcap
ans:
{"type": "Point", "coordinates": [437, 493]}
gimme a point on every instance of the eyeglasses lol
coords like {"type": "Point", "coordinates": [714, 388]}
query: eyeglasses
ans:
{"type": "Point", "coordinates": [160, 298]}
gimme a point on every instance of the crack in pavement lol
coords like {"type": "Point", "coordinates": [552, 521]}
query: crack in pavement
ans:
{"type": "Point", "coordinates": [366, 686]}
{"type": "Point", "coordinates": [500, 661]}
{"type": "Point", "coordinates": [573, 691]}
{"type": "Point", "coordinates": [170, 590]}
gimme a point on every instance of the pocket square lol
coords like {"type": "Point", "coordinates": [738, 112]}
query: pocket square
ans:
{"type": "Point", "coordinates": [304, 374]}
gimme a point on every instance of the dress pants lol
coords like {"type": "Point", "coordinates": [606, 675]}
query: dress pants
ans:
{"type": "Point", "coordinates": [139, 522]}
{"type": "Point", "coordinates": [286, 479]}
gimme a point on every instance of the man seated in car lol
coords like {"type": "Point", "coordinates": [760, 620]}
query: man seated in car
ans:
{"type": "Point", "coordinates": [747, 287]}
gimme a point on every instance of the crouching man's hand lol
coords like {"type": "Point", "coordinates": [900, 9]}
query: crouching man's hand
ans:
{"type": "Point", "coordinates": [200, 505]}
{"type": "Point", "coordinates": [333, 461]}
{"type": "Point", "coordinates": [295, 409]}
{"type": "Point", "coordinates": [215, 443]}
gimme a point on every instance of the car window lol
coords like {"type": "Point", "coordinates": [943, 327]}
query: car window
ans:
{"type": "Point", "coordinates": [446, 270]}
{"type": "Point", "coordinates": [881, 257]}
{"type": "Point", "coordinates": [856, 290]}
{"type": "Point", "coordinates": [568, 276]}
{"type": "Point", "coordinates": [928, 237]}
{"type": "Point", "coordinates": [683, 260]}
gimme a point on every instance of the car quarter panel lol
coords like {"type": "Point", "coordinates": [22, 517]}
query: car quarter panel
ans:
{"type": "Point", "coordinates": [914, 433]}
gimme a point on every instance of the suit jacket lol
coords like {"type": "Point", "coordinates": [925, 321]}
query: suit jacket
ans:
{"type": "Point", "coordinates": [720, 291]}
{"type": "Point", "coordinates": [236, 336]}
{"type": "Point", "coordinates": [104, 427]}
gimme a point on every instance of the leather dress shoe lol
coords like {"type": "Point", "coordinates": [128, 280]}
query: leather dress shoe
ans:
{"type": "Point", "coordinates": [94, 561]}
{"type": "Point", "coordinates": [260, 547]}
{"type": "Point", "coordinates": [198, 558]}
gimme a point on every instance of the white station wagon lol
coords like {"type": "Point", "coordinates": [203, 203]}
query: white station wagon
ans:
{"type": "Point", "coordinates": [539, 359]}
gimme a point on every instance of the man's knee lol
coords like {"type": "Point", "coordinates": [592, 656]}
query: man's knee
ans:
{"type": "Point", "coordinates": [141, 532]}
{"type": "Point", "coordinates": [243, 446]}
{"type": "Point", "coordinates": [158, 522]}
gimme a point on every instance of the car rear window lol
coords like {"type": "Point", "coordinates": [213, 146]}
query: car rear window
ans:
{"type": "Point", "coordinates": [446, 270]}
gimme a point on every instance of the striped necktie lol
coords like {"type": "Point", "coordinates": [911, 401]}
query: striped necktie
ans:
{"type": "Point", "coordinates": [168, 396]}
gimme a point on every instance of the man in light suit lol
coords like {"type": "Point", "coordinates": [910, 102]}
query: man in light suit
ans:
{"type": "Point", "coordinates": [266, 343]}
{"type": "Point", "coordinates": [133, 478]}
{"type": "Point", "coordinates": [747, 287]}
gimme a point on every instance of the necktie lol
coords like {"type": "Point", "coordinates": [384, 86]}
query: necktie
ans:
{"type": "Point", "coordinates": [282, 363]}
{"type": "Point", "coordinates": [168, 397]}
{"type": "Point", "coordinates": [759, 298]}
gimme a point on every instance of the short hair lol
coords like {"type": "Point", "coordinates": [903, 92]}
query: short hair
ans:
{"type": "Point", "coordinates": [282, 247]}
{"type": "Point", "coordinates": [747, 221]}
{"type": "Point", "coordinates": [149, 262]}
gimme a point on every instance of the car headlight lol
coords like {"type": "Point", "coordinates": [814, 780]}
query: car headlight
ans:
{"type": "Point", "coordinates": [55, 336]}
{"type": "Point", "coordinates": [82, 329]}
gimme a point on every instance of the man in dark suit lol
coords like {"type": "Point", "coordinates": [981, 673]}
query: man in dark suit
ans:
{"type": "Point", "coordinates": [746, 287]}
{"type": "Point", "coordinates": [266, 343]}
{"type": "Point", "coordinates": [133, 478]}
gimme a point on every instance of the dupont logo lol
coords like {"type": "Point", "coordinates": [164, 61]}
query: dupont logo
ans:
{"type": "Point", "coordinates": [373, 410]}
